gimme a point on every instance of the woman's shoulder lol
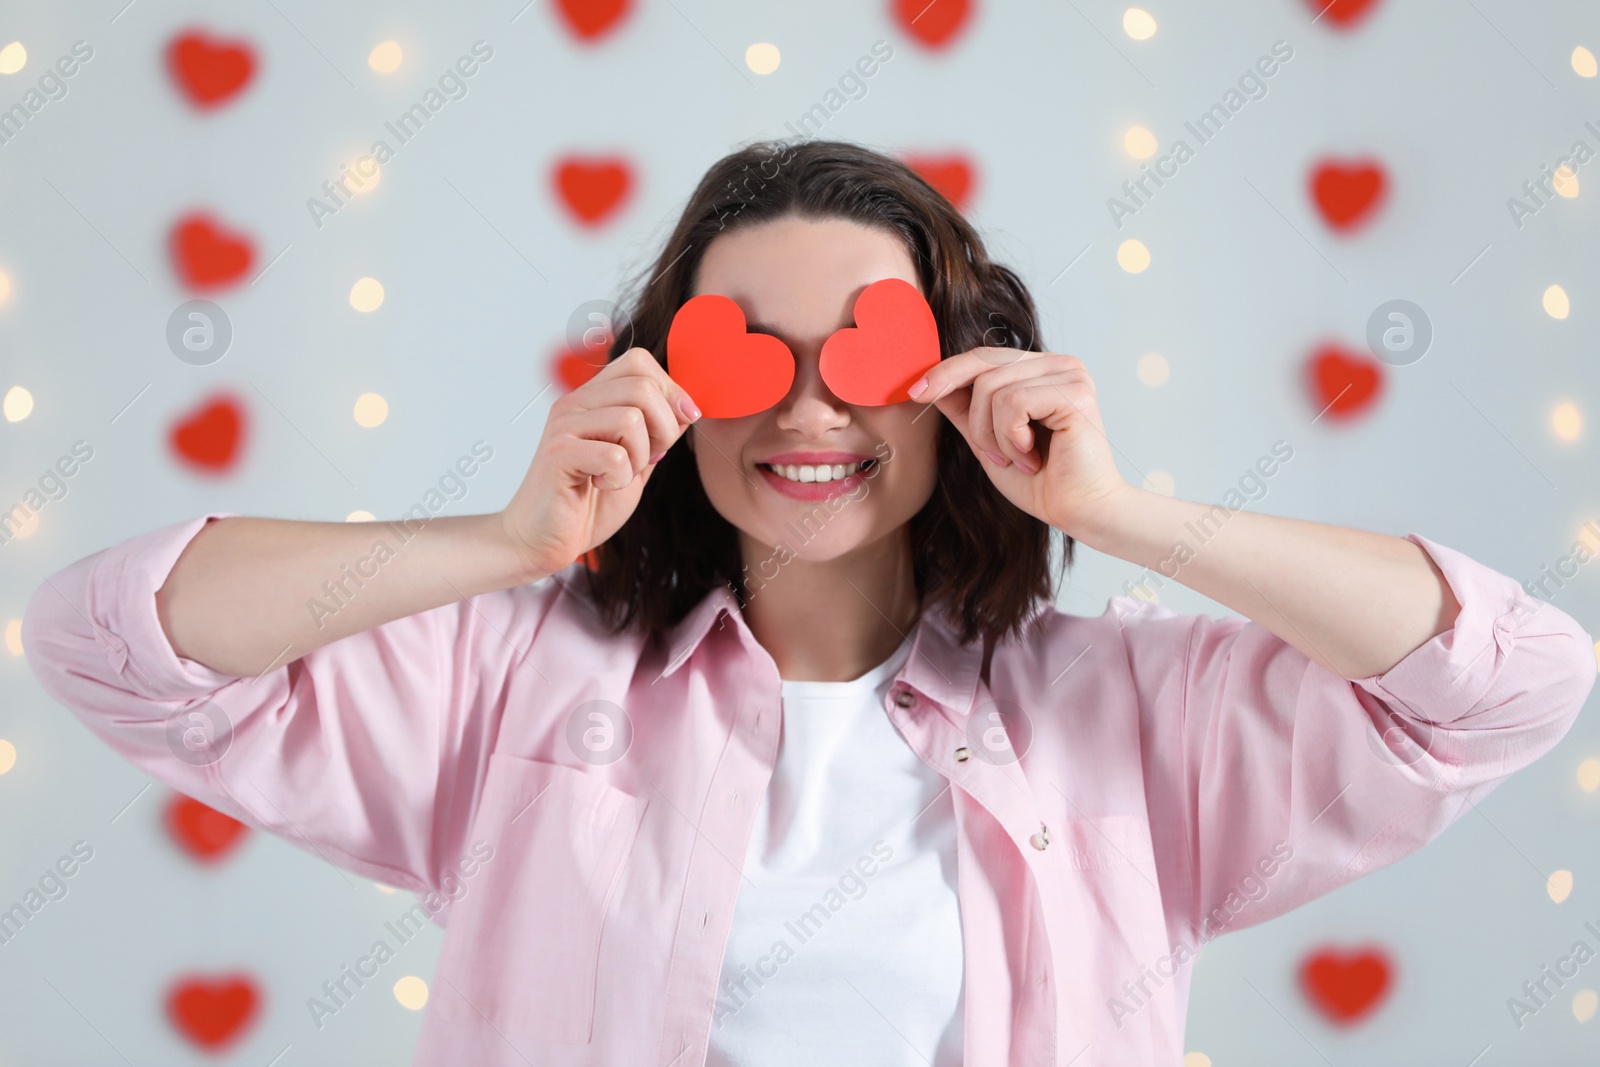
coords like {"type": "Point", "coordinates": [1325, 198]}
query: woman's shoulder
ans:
{"type": "Point", "coordinates": [556, 609]}
{"type": "Point", "coordinates": [1122, 618]}
{"type": "Point", "coordinates": [1129, 633]}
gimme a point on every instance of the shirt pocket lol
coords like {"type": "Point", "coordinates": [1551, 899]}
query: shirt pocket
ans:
{"type": "Point", "coordinates": [521, 950]}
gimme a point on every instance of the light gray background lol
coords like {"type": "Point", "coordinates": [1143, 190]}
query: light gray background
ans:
{"type": "Point", "coordinates": [1463, 102]}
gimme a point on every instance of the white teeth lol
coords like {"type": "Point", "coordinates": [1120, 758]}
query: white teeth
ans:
{"type": "Point", "coordinates": [812, 473]}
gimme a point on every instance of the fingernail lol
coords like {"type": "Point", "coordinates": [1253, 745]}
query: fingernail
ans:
{"type": "Point", "coordinates": [1026, 467]}
{"type": "Point", "coordinates": [916, 390]}
{"type": "Point", "coordinates": [686, 406]}
{"type": "Point", "coordinates": [657, 457]}
{"type": "Point", "coordinates": [998, 461]}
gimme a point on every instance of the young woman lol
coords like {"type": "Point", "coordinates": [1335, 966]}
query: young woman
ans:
{"type": "Point", "coordinates": [801, 764]}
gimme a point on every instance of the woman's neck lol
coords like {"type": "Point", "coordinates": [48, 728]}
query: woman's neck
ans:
{"type": "Point", "coordinates": [831, 621]}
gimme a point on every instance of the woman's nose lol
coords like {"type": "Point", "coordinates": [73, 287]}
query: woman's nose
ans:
{"type": "Point", "coordinates": [811, 406]}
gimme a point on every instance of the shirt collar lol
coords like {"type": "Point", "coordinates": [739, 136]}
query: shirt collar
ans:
{"type": "Point", "coordinates": [939, 666]}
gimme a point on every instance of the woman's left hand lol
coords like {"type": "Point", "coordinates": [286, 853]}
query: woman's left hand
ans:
{"type": "Point", "coordinates": [1038, 411]}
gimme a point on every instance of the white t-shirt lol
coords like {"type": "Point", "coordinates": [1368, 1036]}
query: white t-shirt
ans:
{"type": "Point", "coordinates": [846, 938]}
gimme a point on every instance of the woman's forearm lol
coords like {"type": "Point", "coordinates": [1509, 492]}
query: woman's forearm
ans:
{"type": "Point", "coordinates": [248, 595]}
{"type": "Point", "coordinates": [1354, 602]}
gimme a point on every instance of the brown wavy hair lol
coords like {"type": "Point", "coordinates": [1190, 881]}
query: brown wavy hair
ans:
{"type": "Point", "coordinates": [983, 559]}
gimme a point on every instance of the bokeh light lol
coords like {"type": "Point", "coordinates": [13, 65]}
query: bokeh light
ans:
{"type": "Point", "coordinates": [1559, 886]}
{"type": "Point", "coordinates": [762, 57]}
{"type": "Point", "coordinates": [13, 57]}
{"type": "Point", "coordinates": [1566, 421]}
{"type": "Point", "coordinates": [386, 57]}
{"type": "Point", "coordinates": [1556, 303]}
{"type": "Point", "coordinates": [1133, 256]}
{"type": "Point", "coordinates": [18, 404]}
{"type": "Point", "coordinates": [366, 294]}
{"type": "Point", "coordinates": [363, 176]}
{"type": "Point", "coordinates": [1565, 181]}
{"type": "Point", "coordinates": [1138, 24]}
{"type": "Point", "coordinates": [371, 409]}
{"type": "Point", "coordinates": [1139, 142]}
{"type": "Point", "coordinates": [1153, 369]}
{"type": "Point", "coordinates": [411, 992]}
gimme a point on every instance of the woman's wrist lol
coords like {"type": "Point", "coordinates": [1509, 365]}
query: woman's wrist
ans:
{"type": "Point", "coordinates": [526, 567]}
{"type": "Point", "coordinates": [1105, 521]}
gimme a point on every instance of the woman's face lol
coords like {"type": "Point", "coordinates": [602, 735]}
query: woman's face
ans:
{"type": "Point", "coordinates": [798, 280]}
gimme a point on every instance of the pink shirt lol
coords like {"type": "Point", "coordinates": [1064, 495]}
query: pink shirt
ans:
{"type": "Point", "coordinates": [1180, 776]}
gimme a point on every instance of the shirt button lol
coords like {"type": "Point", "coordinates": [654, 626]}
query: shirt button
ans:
{"type": "Point", "coordinates": [963, 754]}
{"type": "Point", "coordinates": [905, 698]}
{"type": "Point", "coordinates": [1041, 840]}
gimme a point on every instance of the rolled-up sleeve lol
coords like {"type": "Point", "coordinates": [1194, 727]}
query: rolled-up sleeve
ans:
{"type": "Point", "coordinates": [368, 752]}
{"type": "Point", "coordinates": [1294, 780]}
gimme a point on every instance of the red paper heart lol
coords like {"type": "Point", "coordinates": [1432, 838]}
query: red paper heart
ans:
{"type": "Point", "coordinates": [209, 71]}
{"type": "Point", "coordinates": [1342, 13]}
{"type": "Point", "coordinates": [934, 23]}
{"type": "Point", "coordinates": [593, 189]}
{"type": "Point", "coordinates": [572, 369]}
{"type": "Point", "coordinates": [205, 255]}
{"type": "Point", "coordinates": [210, 437]}
{"type": "Point", "coordinates": [894, 342]}
{"type": "Point", "coordinates": [201, 831]}
{"type": "Point", "coordinates": [1348, 194]}
{"type": "Point", "coordinates": [213, 1012]}
{"type": "Point", "coordinates": [1343, 384]}
{"type": "Point", "coordinates": [951, 175]}
{"type": "Point", "coordinates": [1346, 986]}
{"type": "Point", "coordinates": [589, 20]}
{"type": "Point", "coordinates": [727, 372]}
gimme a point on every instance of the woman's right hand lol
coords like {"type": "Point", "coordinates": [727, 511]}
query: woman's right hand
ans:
{"type": "Point", "coordinates": [593, 461]}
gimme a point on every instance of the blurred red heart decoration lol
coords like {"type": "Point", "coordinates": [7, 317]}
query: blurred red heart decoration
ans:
{"type": "Point", "coordinates": [932, 23]}
{"type": "Point", "coordinates": [1346, 986]}
{"type": "Point", "coordinates": [203, 832]}
{"type": "Point", "coordinates": [593, 188]}
{"type": "Point", "coordinates": [207, 256]}
{"type": "Point", "coordinates": [209, 71]}
{"type": "Point", "coordinates": [951, 175]}
{"type": "Point", "coordinates": [1348, 194]}
{"type": "Point", "coordinates": [213, 1012]}
{"type": "Point", "coordinates": [210, 437]}
{"type": "Point", "coordinates": [1343, 13]}
{"type": "Point", "coordinates": [894, 342]}
{"type": "Point", "coordinates": [726, 371]}
{"type": "Point", "coordinates": [1343, 384]}
{"type": "Point", "coordinates": [590, 20]}
{"type": "Point", "coordinates": [571, 369]}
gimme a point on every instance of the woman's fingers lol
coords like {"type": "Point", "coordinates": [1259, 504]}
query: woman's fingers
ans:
{"type": "Point", "coordinates": [606, 464]}
{"type": "Point", "coordinates": [1050, 401]}
{"type": "Point", "coordinates": [662, 426]}
{"type": "Point", "coordinates": [639, 361]}
{"type": "Point", "coordinates": [993, 402]}
{"type": "Point", "coordinates": [621, 426]}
